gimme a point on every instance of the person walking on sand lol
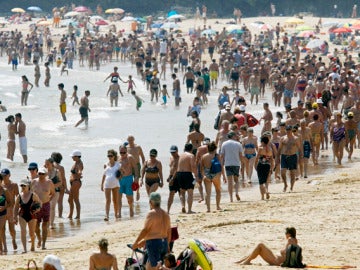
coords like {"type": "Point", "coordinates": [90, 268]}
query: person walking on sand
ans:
{"type": "Point", "coordinates": [172, 180]}
{"type": "Point", "coordinates": [47, 75]}
{"type": "Point", "coordinates": [156, 234]}
{"type": "Point", "coordinates": [21, 130]}
{"type": "Point", "coordinates": [103, 260]}
{"type": "Point", "coordinates": [25, 90]}
{"type": "Point", "coordinates": [84, 109]}
{"type": "Point", "coordinates": [62, 100]}
{"type": "Point", "coordinates": [176, 89]}
{"type": "Point", "coordinates": [75, 96]}
{"type": "Point", "coordinates": [265, 253]}
{"type": "Point", "coordinates": [75, 184]}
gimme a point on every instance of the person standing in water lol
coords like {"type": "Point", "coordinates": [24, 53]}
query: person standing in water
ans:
{"type": "Point", "coordinates": [11, 137]}
{"type": "Point", "coordinates": [25, 90]}
{"type": "Point", "coordinates": [62, 100]}
{"type": "Point", "coordinates": [21, 130]}
{"type": "Point", "coordinates": [75, 184]}
{"type": "Point", "coordinates": [84, 109]}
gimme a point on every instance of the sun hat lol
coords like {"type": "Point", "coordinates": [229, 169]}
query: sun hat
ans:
{"type": "Point", "coordinates": [75, 153]}
{"type": "Point", "coordinates": [25, 182]}
{"type": "Point", "coordinates": [42, 170]}
{"type": "Point", "coordinates": [53, 261]}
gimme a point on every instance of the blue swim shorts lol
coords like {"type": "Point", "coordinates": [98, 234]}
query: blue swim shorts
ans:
{"type": "Point", "coordinates": [125, 185]}
{"type": "Point", "coordinates": [156, 249]}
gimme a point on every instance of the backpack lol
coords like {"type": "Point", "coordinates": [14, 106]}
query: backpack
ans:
{"type": "Point", "coordinates": [217, 120]}
{"type": "Point", "coordinates": [293, 257]}
{"type": "Point", "coordinates": [215, 165]}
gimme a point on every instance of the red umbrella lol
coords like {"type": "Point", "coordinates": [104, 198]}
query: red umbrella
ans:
{"type": "Point", "coordinates": [342, 30]}
{"type": "Point", "coordinates": [81, 9]}
{"type": "Point", "coordinates": [101, 22]}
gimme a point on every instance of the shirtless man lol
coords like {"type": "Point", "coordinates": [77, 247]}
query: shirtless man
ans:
{"type": "Point", "coordinates": [195, 138]}
{"type": "Point", "coordinates": [254, 84]}
{"type": "Point", "coordinates": [290, 81]}
{"type": "Point", "coordinates": [44, 188]}
{"type": "Point", "coordinates": [185, 177]}
{"type": "Point", "coordinates": [136, 152]}
{"type": "Point", "coordinates": [317, 134]}
{"type": "Point", "coordinates": [13, 190]}
{"type": "Point", "coordinates": [350, 133]}
{"type": "Point", "coordinates": [21, 130]}
{"type": "Point", "coordinates": [128, 168]}
{"type": "Point", "coordinates": [176, 89]}
{"type": "Point", "coordinates": [292, 121]}
{"type": "Point", "coordinates": [267, 117]}
{"type": "Point", "coordinates": [189, 78]}
{"type": "Point", "coordinates": [62, 100]}
{"type": "Point", "coordinates": [11, 137]}
{"type": "Point", "coordinates": [173, 182]}
{"type": "Point", "coordinates": [289, 146]}
{"type": "Point", "coordinates": [214, 73]}
{"type": "Point", "coordinates": [299, 110]}
{"type": "Point", "coordinates": [305, 133]}
{"type": "Point", "coordinates": [202, 150]}
{"type": "Point", "coordinates": [84, 109]}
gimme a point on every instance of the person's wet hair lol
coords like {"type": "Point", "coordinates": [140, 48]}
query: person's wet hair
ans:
{"type": "Point", "coordinates": [57, 157]}
{"type": "Point", "coordinates": [291, 231]}
{"type": "Point", "coordinates": [103, 244]}
{"type": "Point", "coordinates": [212, 146]}
{"type": "Point", "coordinates": [188, 147]}
{"type": "Point", "coordinates": [264, 139]}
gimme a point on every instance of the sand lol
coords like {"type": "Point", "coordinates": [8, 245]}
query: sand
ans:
{"type": "Point", "coordinates": [323, 209]}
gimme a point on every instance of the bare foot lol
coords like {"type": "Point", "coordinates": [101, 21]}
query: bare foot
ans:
{"type": "Point", "coordinates": [14, 244]}
{"type": "Point", "coordinates": [32, 248]}
{"type": "Point", "coordinates": [201, 200]}
{"type": "Point", "coordinates": [285, 188]}
{"type": "Point", "coordinates": [106, 218]}
{"type": "Point", "coordinates": [191, 212]}
{"type": "Point", "coordinates": [77, 217]}
{"type": "Point", "coordinates": [24, 252]}
{"type": "Point", "coordinates": [137, 195]}
{"type": "Point", "coordinates": [267, 195]}
{"type": "Point", "coordinates": [237, 197]}
{"type": "Point", "coordinates": [39, 244]}
{"type": "Point", "coordinates": [218, 208]}
{"type": "Point", "coordinates": [183, 210]}
{"type": "Point", "coordinates": [43, 248]}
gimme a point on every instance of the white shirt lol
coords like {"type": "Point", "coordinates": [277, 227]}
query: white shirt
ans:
{"type": "Point", "coordinates": [231, 151]}
{"type": "Point", "coordinates": [110, 176]}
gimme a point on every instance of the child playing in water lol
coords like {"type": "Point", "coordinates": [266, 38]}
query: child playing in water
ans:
{"type": "Point", "coordinates": [63, 69]}
{"type": "Point", "coordinates": [139, 100]}
{"type": "Point", "coordinates": [131, 84]}
{"type": "Point", "coordinates": [74, 96]}
{"type": "Point", "coordinates": [165, 94]}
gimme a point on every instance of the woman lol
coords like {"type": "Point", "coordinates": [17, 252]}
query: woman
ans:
{"type": "Point", "coordinates": [250, 148]}
{"type": "Point", "coordinates": [54, 176]}
{"type": "Point", "coordinates": [26, 205]}
{"type": "Point", "coordinates": [110, 182]}
{"type": "Point", "coordinates": [152, 171]}
{"type": "Point", "coordinates": [195, 120]}
{"type": "Point", "coordinates": [5, 203]}
{"type": "Point", "coordinates": [265, 253]}
{"type": "Point", "coordinates": [301, 84]}
{"type": "Point", "coordinates": [25, 90]}
{"type": "Point", "coordinates": [264, 164]}
{"type": "Point", "coordinates": [57, 157]}
{"type": "Point", "coordinates": [103, 260]}
{"type": "Point", "coordinates": [337, 137]}
{"type": "Point", "coordinates": [11, 137]}
{"type": "Point", "coordinates": [75, 183]}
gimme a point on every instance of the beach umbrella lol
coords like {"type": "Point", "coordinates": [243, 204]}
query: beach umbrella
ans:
{"type": "Point", "coordinates": [266, 26]}
{"type": "Point", "coordinates": [176, 16]}
{"type": "Point", "coordinates": [128, 19]}
{"type": "Point", "coordinates": [342, 30]}
{"type": "Point", "coordinates": [81, 9]}
{"type": "Point", "coordinates": [233, 27]}
{"type": "Point", "coordinates": [169, 25]}
{"type": "Point", "coordinates": [172, 12]}
{"type": "Point", "coordinates": [236, 32]}
{"type": "Point", "coordinates": [294, 21]}
{"type": "Point", "coordinates": [305, 34]}
{"type": "Point", "coordinates": [43, 23]}
{"type": "Point", "coordinates": [34, 9]}
{"type": "Point", "coordinates": [208, 32]}
{"type": "Point", "coordinates": [96, 18]}
{"type": "Point", "coordinates": [101, 22]}
{"type": "Point", "coordinates": [118, 11]}
{"type": "Point", "coordinates": [109, 11]}
{"type": "Point", "coordinates": [355, 27]}
{"type": "Point", "coordinates": [18, 10]}
{"type": "Point", "coordinates": [303, 28]}
{"type": "Point", "coordinates": [72, 14]}
{"type": "Point", "coordinates": [156, 25]}
{"type": "Point", "coordinates": [315, 43]}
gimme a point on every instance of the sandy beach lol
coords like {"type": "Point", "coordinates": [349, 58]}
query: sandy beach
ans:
{"type": "Point", "coordinates": [323, 208]}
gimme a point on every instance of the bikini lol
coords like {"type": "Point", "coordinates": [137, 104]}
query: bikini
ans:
{"type": "Point", "coordinates": [250, 146]}
{"type": "Point", "coordinates": [153, 171]}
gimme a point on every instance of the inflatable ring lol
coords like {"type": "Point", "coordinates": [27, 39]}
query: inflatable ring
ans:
{"type": "Point", "coordinates": [201, 257]}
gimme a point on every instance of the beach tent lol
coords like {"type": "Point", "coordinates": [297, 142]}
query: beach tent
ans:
{"type": "Point", "coordinates": [266, 26]}
{"type": "Point", "coordinates": [101, 22]}
{"type": "Point", "coordinates": [43, 23]}
{"type": "Point", "coordinates": [17, 10]}
{"type": "Point", "coordinates": [236, 32]}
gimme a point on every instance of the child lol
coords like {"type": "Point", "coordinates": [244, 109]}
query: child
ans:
{"type": "Point", "coordinates": [236, 98]}
{"type": "Point", "coordinates": [139, 100]}
{"type": "Point", "coordinates": [63, 69]}
{"type": "Point", "coordinates": [131, 84]}
{"type": "Point", "coordinates": [58, 62]}
{"type": "Point", "coordinates": [165, 94]}
{"type": "Point", "coordinates": [74, 96]}
{"type": "Point", "coordinates": [169, 262]}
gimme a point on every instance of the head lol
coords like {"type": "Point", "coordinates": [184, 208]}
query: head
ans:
{"type": "Point", "coordinates": [291, 231]}
{"type": "Point", "coordinates": [264, 139]}
{"type": "Point", "coordinates": [112, 154]}
{"type": "Point", "coordinates": [170, 260]}
{"type": "Point", "coordinates": [87, 93]}
{"type": "Point", "coordinates": [52, 262]}
{"type": "Point", "coordinates": [61, 86]}
{"type": "Point", "coordinates": [57, 157]}
{"type": "Point", "coordinates": [188, 147]}
{"type": "Point", "coordinates": [153, 153]}
{"type": "Point", "coordinates": [5, 173]}
{"type": "Point", "coordinates": [18, 116]}
{"type": "Point", "coordinates": [212, 147]}
{"type": "Point", "coordinates": [155, 200]}
{"type": "Point", "coordinates": [33, 168]}
{"type": "Point", "coordinates": [25, 185]}
{"type": "Point", "coordinates": [103, 244]}
{"type": "Point", "coordinates": [122, 150]}
{"type": "Point", "coordinates": [76, 154]}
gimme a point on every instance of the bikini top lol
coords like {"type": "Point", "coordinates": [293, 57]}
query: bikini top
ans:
{"type": "Point", "coordinates": [154, 169]}
{"type": "Point", "coordinates": [249, 145]}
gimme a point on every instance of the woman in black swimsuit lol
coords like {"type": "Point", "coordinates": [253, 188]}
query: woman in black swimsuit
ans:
{"type": "Point", "coordinates": [152, 171]}
{"type": "Point", "coordinates": [5, 202]}
{"type": "Point", "coordinates": [75, 183]}
{"type": "Point", "coordinates": [26, 205]}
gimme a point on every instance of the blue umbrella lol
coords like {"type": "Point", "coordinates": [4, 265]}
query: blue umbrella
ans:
{"type": "Point", "coordinates": [156, 25]}
{"type": "Point", "coordinates": [236, 32]}
{"type": "Point", "coordinates": [139, 19]}
{"type": "Point", "coordinates": [172, 12]}
{"type": "Point", "coordinates": [36, 9]}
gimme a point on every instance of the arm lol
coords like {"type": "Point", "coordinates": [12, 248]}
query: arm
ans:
{"type": "Point", "coordinates": [102, 183]}
{"type": "Point", "coordinates": [107, 91]}
{"type": "Point", "coordinates": [115, 264]}
{"type": "Point", "coordinates": [160, 174]}
{"type": "Point", "coordinates": [16, 209]}
{"type": "Point", "coordinates": [91, 263]}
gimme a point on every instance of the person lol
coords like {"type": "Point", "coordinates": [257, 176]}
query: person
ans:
{"type": "Point", "coordinates": [267, 117]}
{"type": "Point", "coordinates": [265, 253]}
{"type": "Point", "coordinates": [47, 75]}
{"type": "Point", "coordinates": [250, 146]}
{"type": "Point", "coordinates": [131, 84]}
{"type": "Point", "coordinates": [289, 146]}
{"type": "Point", "coordinates": [25, 90]}
{"type": "Point", "coordinates": [264, 165]}
{"type": "Point", "coordinates": [26, 205]}
{"type": "Point", "coordinates": [5, 204]}
{"type": "Point", "coordinates": [21, 130]}
{"type": "Point", "coordinates": [62, 100]}
{"type": "Point", "coordinates": [152, 172]}
{"type": "Point", "coordinates": [75, 184]}
{"type": "Point", "coordinates": [103, 260]}
{"type": "Point", "coordinates": [156, 233]}
{"type": "Point", "coordinates": [115, 77]}
{"type": "Point", "coordinates": [11, 137]}
{"type": "Point", "coordinates": [110, 183]}
{"type": "Point", "coordinates": [139, 100]}
{"type": "Point", "coordinates": [164, 94]}
{"type": "Point", "coordinates": [169, 262]}
{"type": "Point", "coordinates": [154, 87]}
{"type": "Point", "coordinates": [13, 190]}
{"type": "Point", "coordinates": [186, 169]}
{"type": "Point", "coordinates": [114, 90]}
{"type": "Point", "coordinates": [210, 177]}
{"type": "Point", "coordinates": [176, 89]}
{"type": "Point", "coordinates": [57, 157]}
{"type": "Point", "coordinates": [52, 262]}
{"type": "Point", "coordinates": [351, 130]}
{"type": "Point", "coordinates": [44, 188]}
{"type": "Point", "coordinates": [172, 180]}
{"type": "Point", "coordinates": [337, 137]}
{"type": "Point", "coordinates": [64, 70]}
{"type": "Point", "coordinates": [74, 96]}
{"type": "Point", "coordinates": [84, 109]}
{"type": "Point", "coordinates": [231, 153]}
{"type": "Point", "coordinates": [129, 175]}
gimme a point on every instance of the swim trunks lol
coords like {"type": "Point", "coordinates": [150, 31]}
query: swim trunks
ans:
{"type": "Point", "coordinates": [156, 250]}
{"type": "Point", "coordinates": [175, 184]}
{"type": "Point", "coordinates": [44, 214]}
{"type": "Point", "coordinates": [23, 145]}
{"type": "Point", "coordinates": [232, 170]}
{"type": "Point", "coordinates": [307, 149]}
{"type": "Point", "coordinates": [63, 108]}
{"type": "Point", "coordinates": [288, 93]}
{"type": "Point", "coordinates": [289, 162]}
{"type": "Point", "coordinates": [125, 185]}
{"type": "Point", "coordinates": [185, 180]}
{"type": "Point", "coordinates": [83, 112]}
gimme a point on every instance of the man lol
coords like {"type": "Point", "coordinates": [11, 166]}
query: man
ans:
{"type": "Point", "coordinates": [195, 138]}
{"type": "Point", "coordinates": [176, 89]}
{"type": "Point", "coordinates": [21, 130]}
{"type": "Point", "coordinates": [13, 190]}
{"type": "Point", "coordinates": [289, 147]}
{"type": "Point", "coordinates": [350, 133]}
{"type": "Point", "coordinates": [128, 168]}
{"type": "Point", "coordinates": [317, 135]}
{"type": "Point", "coordinates": [267, 117]}
{"type": "Point", "coordinates": [184, 175]}
{"type": "Point", "coordinates": [226, 115]}
{"type": "Point", "coordinates": [62, 100]}
{"type": "Point", "coordinates": [173, 182]}
{"type": "Point", "coordinates": [45, 189]}
{"type": "Point", "coordinates": [33, 170]}
{"type": "Point", "coordinates": [214, 73]}
{"type": "Point", "coordinates": [305, 133]}
{"type": "Point", "coordinates": [84, 109]}
{"type": "Point", "coordinates": [231, 155]}
{"type": "Point", "coordinates": [156, 233]}
{"type": "Point", "coordinates": [189, 78]}
{"type": "Point", "coordinates": [202, 150]}
{"type": "Point", "coordinates": [136, 152]}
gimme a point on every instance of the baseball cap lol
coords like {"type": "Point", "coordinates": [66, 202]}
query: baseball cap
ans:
{"type": "Point", "coordinates": [173, 149]}
{"type": "Point", "coordinates": [206, 140]}
{"type": "Point", "coordinates": [288, 127]}
{"type": "Point", "coordinates": [350, 114]}
{"type": "Point", "coordinates": [5, 171]}
{"type": "Point", "coordinates": [75, 153]}
{"type": "Point", "coordinates": [242, 108]}
{"type": "Point", "coordinates": [53, 261]}
{"type": "Point", "coordinates": [32, 165]}
{"type": "Point", "coordinates": [42, 170]}
{"type": "Point", "coordinates": [319, 101]}
{"type": "Point", "coordinates": [314, 105]}
{"type": "Point", "coordinates": [25, 182]}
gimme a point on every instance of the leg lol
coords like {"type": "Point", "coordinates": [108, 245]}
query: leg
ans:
{"type": "Point", "coordinates": [130, 200]}
{"type": "Point", "coordinates": [60, 202]}
{"type": "Point", "coordinates": [107, 203]}
{"type": "Point", "coordinates": [208, 186]}
{"type": "Point", "coordinates": [283, 177]}
{"type": "Point", "coordinates": [170, 200]}
{"type": "Point", "coordinates": [230, 181]}
{"type": "Point", "coordinates": [76, 192]}
{"type": "Point", "coordinates": [292, 179]}
{"type": "Point", "coordinates": [201, 190]}
{"type": "Point", "coordinates": [53, 203]}
{"type": "Point", "coordinates": [12, 231]}
{"type": "Point", "coordinates": [264, 252]}
{"type": "Point", "coordinates": [182, 198]}
{"type": "Point", "coordinates": [23, 224]}
{"type": "Point", "coordinates": [2, 234]}
{"type": "Point", "coordinates": [190, 200]}
{"type": "Point", "coordinates": [119, 199]}
{"type": "Point", "coordinates": [32, 228]}
{"type": "Point", "coordinates": [37, 231]}
{"type": "Point", "coordinates": [217, 184]}
{"type": "Point", "coordinates": [71, 202]}
{"type": "Point", "coordinates": [237, 186]}
{"type": "Point", "coordinates": [44, 233]}
{"type": "Point", "coordinates": [115, 192]}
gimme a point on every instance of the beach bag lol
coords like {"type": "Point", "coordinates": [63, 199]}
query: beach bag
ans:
{"type": "Point", "coordinates": [217, 120]}
{"type": "Point", "coordinates": [293, 257]}
{"type": "Point", "coordinates": [34, 267]}
{"type": "Point", "coordinates": [251, 121]}
{"type": "Point", "coordinates": [174, 234]}
{"type": "Point", "coordinates": [215, 165]}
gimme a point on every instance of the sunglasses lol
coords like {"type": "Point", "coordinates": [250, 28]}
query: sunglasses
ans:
{"type": "Point", "coordinates": [122, 153]}
{"type": "Point", "coordinates": [22, 186]}
{"type": "Point", "coordinates": [152, 155]}
{"type": "Point", "coordinates": [110, 156]}
{"type": "Point", "coordinates": [41, 173]}
{"type": "Point", "coordinates": [31, 169]}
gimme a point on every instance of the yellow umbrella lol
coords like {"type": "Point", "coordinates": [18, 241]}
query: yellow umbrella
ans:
{"type": "Point", "coordinates": [109, 11]}
{"type": "Point", "coordinates": [114, 11]}
{"type": "Point", "coordinates": [18, 10]}
{"type": "Point", "coordinates": [43, 23]}
{"type": "Point", "coordinates": [294, 21]}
